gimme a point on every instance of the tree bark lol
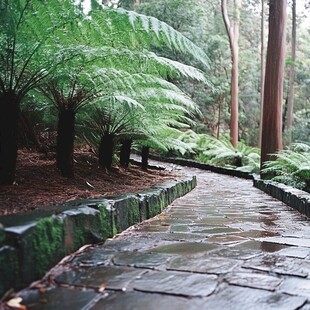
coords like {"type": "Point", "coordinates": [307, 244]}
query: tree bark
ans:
{"type": "Point", "coordinates": [220, 101]}
{"type": "Point", "coordinates": [290, 101]}
{"type": "Point", "coordinates": [145, 157]}
{"type": "Point", "coordinates": [65, 143]}
{"type": "Point", "coordinates": [125, 151]}
{"type": "Point", "coordinates": [262, 72]}
{"type": "Point", "coordinates": [273, 92]}
{"type": "Point", "coordinates": [232, 29]}
{"type": "Point", "coordinates": [9, 116]}
{"type": "Point", "coordinates": [106, 149]}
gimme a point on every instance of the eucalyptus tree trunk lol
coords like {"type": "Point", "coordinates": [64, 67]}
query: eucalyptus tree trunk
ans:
{"type": "Point", "coordinates": [145, 157]}
{"type": "Point", "coordinates": [106, 150]}
{"type": "Point", "coordinates": [262, 70]}
{"type": "Point", "coordinates": [273, 92]}
{"type": "Point", "coordinates": [290, 101]}
{"type": "Point", "coordinates": [232, 28]}
{"type": "Point", "coordinates": [9, 116]}
{"type": "Point", "coordinates": [125, 151]}
{"type": "Point", "coordinates": [65, 142]}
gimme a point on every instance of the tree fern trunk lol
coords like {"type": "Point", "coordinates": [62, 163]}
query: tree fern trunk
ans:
{"type": "Point", "coordinates": [106, 149]}
{"type": "Point", "coordinates": [145, 157]}
{"type": "Point", "coordinates": [9, 115]}
{"type": "Point", "coordinates": [125, 153]}
{"type": "Point", "coordinates": [65, 143]}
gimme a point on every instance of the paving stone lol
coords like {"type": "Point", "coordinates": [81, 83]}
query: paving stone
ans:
{"type": "Point", "coordinates": [242, 298]}
{"type": "Point", "coordinates": [185, 248]}
{"type": "Point", "coordinates": [229, 239]}
{"type": "Point", "coordinates": [94, 257]}
{"type": "Point", "coordinates": [176, 283]}
{"type": "Point", "coordinates": [219, 230]}
{"type": "Point", "coordinates": [153, 228]}
{"type": "Point", "coordinates": [175, 236]}
{"type": "Point", "coordinates": [254, 280]}
{"type": "Point", "coordinates": [280, 265]}
{"type": "Point", "coordinates": [116, 278]}
{"type": "Point", "coordinates": [297, 252]}
{"type": "Point", "coordinates": [179, 228]}
{"type": "Point", "coordinates": [235, 253]}
{"type": "Point", "coordinates": [141, 260]}
{"type": "Point", "coordinates": [296, 286]}
{"type": "Point", "coordinates": [261, 246]}
{"type": "Point", "coordinates": [203, 264]}
{"type": "Point", "coordinates": [303, 242]}
{"type": "Point", "coordinates": [143, 301]}
{"type": "Point", "coordinates": [64, 298]}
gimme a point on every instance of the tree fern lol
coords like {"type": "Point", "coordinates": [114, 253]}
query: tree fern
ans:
{"type": "Point", "coordinates": [291, 166]}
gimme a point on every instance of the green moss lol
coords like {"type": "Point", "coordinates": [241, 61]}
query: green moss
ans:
{"type": "Point", "coordinates": [107, 224]}
{"type": "Point", "coordinates": [9, 269]}
{"type": "Point", "coordinates": [42, 248]}
{"type": "Point", "coordinates": [133, 212]}
{"type": "Point", "coordinates": [2, 234]}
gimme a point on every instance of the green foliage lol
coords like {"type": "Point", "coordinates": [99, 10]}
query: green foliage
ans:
{"type": "Point", "coordinates": [291, 166]}
{"type": "Point", "coordinates": [208, 149]}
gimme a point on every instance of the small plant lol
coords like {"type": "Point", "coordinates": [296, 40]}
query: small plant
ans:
{"type": "Point", "coordinates": [208, 149]}
{"type": "Point", "coordinates": [292, 166]}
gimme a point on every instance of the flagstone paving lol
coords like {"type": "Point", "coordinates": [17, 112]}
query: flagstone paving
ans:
{"type": "Point", "coordinates": [225, 245]}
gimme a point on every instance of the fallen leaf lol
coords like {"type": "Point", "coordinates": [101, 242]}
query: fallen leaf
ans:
{"type": "Point", "coordinates": [102, 287]}
{"type": "Point", "coordinates": [15, 303]}
{"type": "Point", "coordinates": [90, 185]}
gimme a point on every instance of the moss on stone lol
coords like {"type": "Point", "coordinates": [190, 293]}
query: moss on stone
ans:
{"type": "Point", "coordinates": [42, 248]}
{"type": "Point", "coordinates": [2, 234]}
{"type": "Point", "coordinates": [133, 212]}
{"type": "Point", "coordinates": [9, 269]}
{"type": "Point", "coordinates": [107, 224]}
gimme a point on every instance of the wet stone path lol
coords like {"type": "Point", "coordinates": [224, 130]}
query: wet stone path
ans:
{"type": "Point", "coordinates": [225, 245]}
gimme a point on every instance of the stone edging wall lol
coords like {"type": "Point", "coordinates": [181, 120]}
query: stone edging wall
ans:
{"type": "Point", "coordinates": [32, 242]}
{"type": "Point", "coordinates": [294, 198]}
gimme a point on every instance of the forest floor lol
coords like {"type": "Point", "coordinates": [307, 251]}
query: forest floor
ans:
{"type": "Point", "coordinates": [39, 184]}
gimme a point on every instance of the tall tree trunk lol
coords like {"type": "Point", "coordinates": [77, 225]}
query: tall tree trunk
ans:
{"type": "Point", "coordinates": [262, 71]}
{"type": "Point", "coordinates": [65, 143]}
{"type": "Point", "coordinates": [124, 155]}
{"type": "Point", "coordinates": [290, 101]}
{"type": "Point", "coordinates": [232, 29]}
{"type": "Point", "coordinates": [9, 116]}
{"type": "Point", "coordinates": [220, 101]}
{"type": "Point", "coordinates": [145, 157]}
{"type": "Point", "coordinates": [106, 150]}
{"type": "Point", "coordinates": [273, 93]}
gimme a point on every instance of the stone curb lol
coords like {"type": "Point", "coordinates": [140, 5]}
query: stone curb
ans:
{"type": "Point", "coordinates": [294, 198]}
{"type": "Point", "coordinates": [32, 242]}
{"type": "Point", "coordinates": [202, 166]}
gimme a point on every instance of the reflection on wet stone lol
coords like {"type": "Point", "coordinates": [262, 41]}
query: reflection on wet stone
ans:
{"type": "Point", "coordinates": [280, 265]}
{"type": "Point", "coordinates": [176, 283]}
{"type": "Point", "coordinates": [202, 264]}
{"type": "Point", "coordinates": [242, 298]}
{"type": "Point", "coordinates": [147, 301]}
{"type": "Point", "coordinates": [185, 248]}
{"type": "Point", "coordinates": [116, 278]}
{"type": "Point", "coordinates": [63, 298]}
{"type": "Point", "coordinates": [296, 286]}
{"type": "Point", "coordinates": [141, 260]}
{"type": "Point", "coordinates": [254, 280]}
{"type": "Point", "coordinates": [94, 257]}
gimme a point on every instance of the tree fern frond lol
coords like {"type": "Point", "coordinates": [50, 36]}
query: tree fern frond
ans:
{"type": "Point", "coordinates": [147, 30]}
